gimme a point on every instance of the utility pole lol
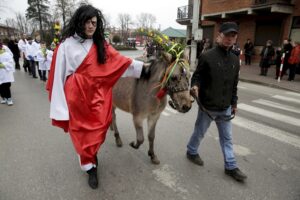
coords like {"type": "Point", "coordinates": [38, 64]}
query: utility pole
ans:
{"type": "Point", "coordinates": [195, 30]}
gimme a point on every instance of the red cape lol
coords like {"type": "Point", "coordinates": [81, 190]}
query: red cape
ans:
{"type": "Point", "coordinates": [89, 97]}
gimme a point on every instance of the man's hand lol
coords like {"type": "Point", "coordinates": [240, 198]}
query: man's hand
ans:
{"type": "Point", "coordinates": [234, 109]}
{"type": "Point", "coordinates": [195, 91]}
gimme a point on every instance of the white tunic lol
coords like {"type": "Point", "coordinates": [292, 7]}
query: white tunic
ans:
{"type": "Point", "coordinates": [29, 51]}
{"type": "Point", "coordinates": [70, 55]}
{"type": "Point", "coordinates": [22, 45]}
{"type": "Point", "coordinates": [37, 48]}
{"type": "Point", "coordinates": [6, 73]}
{"type": "Point", "coordinates": [44, 62]}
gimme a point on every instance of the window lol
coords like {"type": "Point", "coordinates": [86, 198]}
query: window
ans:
{"type": "Point", "coordinates": [267, 30]}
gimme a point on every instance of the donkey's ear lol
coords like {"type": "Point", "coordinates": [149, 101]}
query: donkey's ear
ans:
{"type": "Point", "coordinates": [167, 57]}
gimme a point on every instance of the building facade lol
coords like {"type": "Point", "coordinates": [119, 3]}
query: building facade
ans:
{"type": "Point", "coordinates": [258, 20]}
{"type": "Point", "coordinates": [6, 32]}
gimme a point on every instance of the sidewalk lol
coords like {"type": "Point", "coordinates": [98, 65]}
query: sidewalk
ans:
{"type": "Point", "coordinates": [251, 74]}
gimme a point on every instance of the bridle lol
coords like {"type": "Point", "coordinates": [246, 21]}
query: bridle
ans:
{"type": "Point", "coordinates": [173, 86]}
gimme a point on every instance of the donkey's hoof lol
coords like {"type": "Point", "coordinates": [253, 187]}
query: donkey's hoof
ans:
{"type": "Point", "coordinates": [155, 160]}
{"type": "Point", "coordinates": [133, 145]}
{"type": "Point", "coordinates": [119, 142]}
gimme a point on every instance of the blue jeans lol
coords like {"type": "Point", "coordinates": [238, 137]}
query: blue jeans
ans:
{"type": "Point", "coordinates": [225, 134]}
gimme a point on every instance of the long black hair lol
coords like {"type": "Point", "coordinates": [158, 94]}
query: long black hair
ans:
{"type": "Point", "coordinates": [77, 25]}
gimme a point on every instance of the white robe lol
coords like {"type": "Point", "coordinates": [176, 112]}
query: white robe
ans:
{"type": "Point", "coordinates": [37, 48]}
{"type": "Point", "coordinates": [44, 62]}
{"type": "Point", "coordinates": [22, 45]}
{"type": "Point", "coordinates": [29, 51]}
{"type": "Point", "coordinates": [70, 55]}
{"type": "Point", "coordinates": [6, 73]}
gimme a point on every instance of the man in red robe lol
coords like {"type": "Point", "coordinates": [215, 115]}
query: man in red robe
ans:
{"type": "Point", "coordinates": [83, 71]}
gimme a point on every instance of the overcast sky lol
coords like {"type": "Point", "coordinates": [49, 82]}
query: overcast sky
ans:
{"type": "Point", "coordinates": [165, 11]}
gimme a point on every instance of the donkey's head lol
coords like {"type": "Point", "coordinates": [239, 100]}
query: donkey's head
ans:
{"type": "Point", "coordinates": [176, 81]}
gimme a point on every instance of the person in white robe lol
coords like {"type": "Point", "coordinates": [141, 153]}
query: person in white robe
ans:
{"type": "Point", "coordinates": [30, 53]}
{"type": "Point", "coordinates": [7, 68]}
{"type": "Point", "coordinates": [22, 47]}
{"type": "Point", "coordinates": [37, 46]}
{"type": "Point", "coordinates": [44, 58]}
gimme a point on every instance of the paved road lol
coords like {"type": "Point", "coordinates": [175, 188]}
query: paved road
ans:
{"type": "Point", "coordinates": [37, 161]}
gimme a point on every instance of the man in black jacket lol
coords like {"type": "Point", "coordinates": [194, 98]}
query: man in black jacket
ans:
{"type": "Point", "coordinates": [214, 84]}
{"type": "Point", "coordinates": [13, 46]}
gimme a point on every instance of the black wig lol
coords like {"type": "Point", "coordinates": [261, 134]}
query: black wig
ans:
{"type": "Point", "coordinates": [77, 25]}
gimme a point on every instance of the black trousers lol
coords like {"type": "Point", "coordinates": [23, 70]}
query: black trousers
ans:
{"type": "Point", "coordinates": [247, 59]}
{"type": "Point", "coordinates": [26, 66]}
{"type": "Point", "coordinates": [292, 72]}
{"type": "Point", "coordinates": [5, 90]}
{"type": "Point", "coordinates": [16, 59]}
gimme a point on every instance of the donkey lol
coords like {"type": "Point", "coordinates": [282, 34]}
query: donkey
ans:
{"type": "Point", "coordinates": [140, 97]}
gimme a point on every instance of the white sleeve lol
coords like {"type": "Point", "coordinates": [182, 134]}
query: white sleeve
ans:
{"type": "Point", "coordinates": [39, 56]}
{"type": "Point", "coordinates": [134, 70]}
{"type": "Point", "coordinates": [9, 64]}
{"type": "Point", "coordinates": [58, 106]}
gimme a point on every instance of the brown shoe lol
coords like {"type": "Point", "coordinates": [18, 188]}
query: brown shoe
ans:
{"type": "Point", "coordinates": [236, 174]}
{"type": "Point", "coordinates": [195, 159]}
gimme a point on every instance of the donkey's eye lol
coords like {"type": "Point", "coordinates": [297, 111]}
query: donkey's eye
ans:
{"type": "Point", "coordinates": [184, 72]}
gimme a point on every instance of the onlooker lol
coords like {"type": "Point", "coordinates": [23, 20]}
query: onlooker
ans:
{"type": "Point", "coordinates": [203, 46]}
{"type": "Point", "coordinates": [278, 61]}
{"type": "Point", "coordinates": [266, 54]}
{"type": "Point", "coordinates": [215, 87]}
{"type": "Point", "coordinates": [294, 60]}
{"type": "Point", "coordinates": [287, 49]}
{"type": "Point", "coordinates": [150, 49]}
{"type": "Point", "coordinates": [6, 74]}
{"type": "Point", "coordinates": [236, 50]}
{"type": "Point", "coordinates": [13, 46]}
{"type": "Point", "coordinates": [248, 48]}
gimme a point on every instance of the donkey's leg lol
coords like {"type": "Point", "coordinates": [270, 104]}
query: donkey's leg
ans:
{"type": "Point", "coordinates": [152, 120]}
{"type": "Point", "coordinates": [113, 126]}
{"type": "Point", "coordinates": [138, 124]}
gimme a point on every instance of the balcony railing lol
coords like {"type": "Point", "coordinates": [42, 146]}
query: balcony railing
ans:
{"type": "Point", "coordinates": [267, 2]}
{"type": "Point", "coordinates": [185, 12]}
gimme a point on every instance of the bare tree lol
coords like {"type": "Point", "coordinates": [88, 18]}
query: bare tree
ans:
{"type": "Point", "coordinates": [124, 21]}
{"type": "Point", "coordinates": [64, 9]}
{"type": "Point", "coordinates": [37, 11]}
{"type": "Point", "coordinates": [22, 23]}
{"type": "Point", "coordinates": [146, 20]}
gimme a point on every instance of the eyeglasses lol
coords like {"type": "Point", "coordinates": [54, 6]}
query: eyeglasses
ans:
{"type": "Point", "coordinates": [94, 23]}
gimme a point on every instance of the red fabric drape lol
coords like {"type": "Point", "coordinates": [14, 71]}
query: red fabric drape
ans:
{"type": "Point", "coordinates": [89, 97]}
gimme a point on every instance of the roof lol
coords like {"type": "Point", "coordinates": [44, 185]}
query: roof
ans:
{"type": "Point", "coordinates": [175, 33]}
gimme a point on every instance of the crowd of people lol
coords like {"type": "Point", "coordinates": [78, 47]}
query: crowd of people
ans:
{"type": "Point", "coordinates": [269, 55]}
{"type": "Point", "coordinates": [36, 61]}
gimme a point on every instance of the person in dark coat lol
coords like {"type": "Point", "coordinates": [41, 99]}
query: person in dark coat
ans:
{"type": "Point", "coordinates": [278, 61]}
{"type": "Point", "coordinates": [13, 46]}
{"type": "Point", "coordinates": [248, 48]}
{"type": "Point", "coordinates": [287, 49]}
{"type": "Point", "coordinates": [266, 54]}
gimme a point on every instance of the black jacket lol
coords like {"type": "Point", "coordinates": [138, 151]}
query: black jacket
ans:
{"type": "Point", "coordinates": [217, 76]}
{"type": "Point", "coordinates": [14, 48]}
